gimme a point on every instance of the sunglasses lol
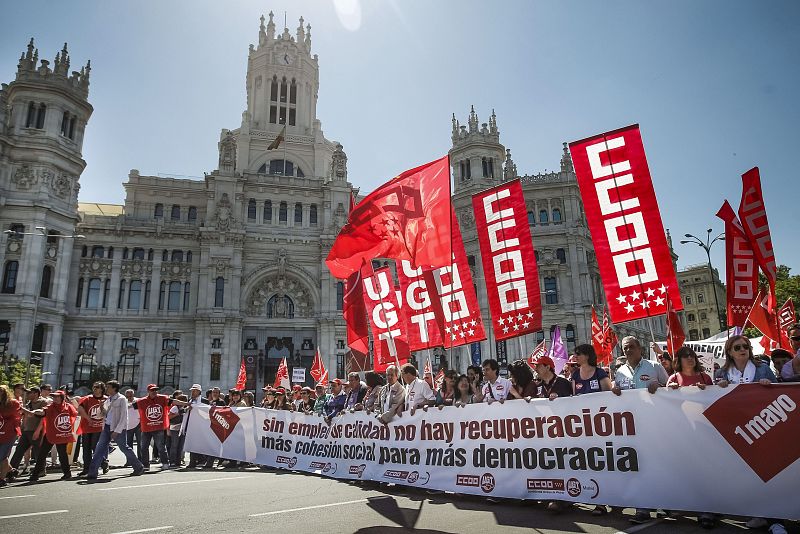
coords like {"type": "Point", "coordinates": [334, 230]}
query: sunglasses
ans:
{"type": "Point", "coordinates": [741, 347]}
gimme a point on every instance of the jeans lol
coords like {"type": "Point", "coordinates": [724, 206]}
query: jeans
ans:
{"type": "Point", "coordinates": [176, 447]}
{"type": "Point", "coordinates": [137, 434]}
{"type": "Point", "coordinates": [158, 438]}
{"type": "Point", "coordinates": [101, 451]}
{"type": "Point", "coordinates": [26, 441]}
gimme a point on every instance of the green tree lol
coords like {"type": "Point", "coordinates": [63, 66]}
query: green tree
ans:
{"type": "Point", "coordinates": [13, 372]}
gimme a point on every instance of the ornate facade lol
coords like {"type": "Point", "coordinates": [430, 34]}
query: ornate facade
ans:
{"type": "Point", "coordinates": [189, 275]}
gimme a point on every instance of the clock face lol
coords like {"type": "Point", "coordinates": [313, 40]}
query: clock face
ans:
{"type": "Point", "coordinates": [286, 59]}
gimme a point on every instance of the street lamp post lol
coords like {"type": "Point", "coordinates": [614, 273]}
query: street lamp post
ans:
{"type": "Point", "coordinates": [42, 231]}
{"type": "Point", "coordinates": [706, 245]}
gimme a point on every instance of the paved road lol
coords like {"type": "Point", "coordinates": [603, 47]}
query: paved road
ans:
{"type": "Point", "coordinates": [268, 501]}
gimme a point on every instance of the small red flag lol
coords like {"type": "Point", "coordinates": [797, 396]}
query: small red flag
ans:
{"type": "Point", "coordinates": [318, 368]}
{"type": "Point", "coordinates": [540, 350]}
{"type": "Point", "coordinates": [439, 379]}
{"type": "Point", "coordinates": [786, 318]}
{"type": "Point", "coordinates": [282, 376]}
{"type": "Point", "coordinates": [675, 335]}
{"type": "Point", "coordinates": [763, 318]}
{"type": "Point", "coordinates": [241, 380]}
{"type": "Point", "coordinates": [597, 334]}
{"type": "Point", "coordinates": [609, 338]}
{"type": "Point", "coordinates": [354, 311]}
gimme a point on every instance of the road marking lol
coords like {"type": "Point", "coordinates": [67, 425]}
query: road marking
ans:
{"type": "Point", "coordinates": [174, 483]}
{"type": "Point", "coordinates": [17, 496]}
{"type": "Point", "coordinates": [308, 508]}
{"type": "Point", "coordinates": [33, 513]}
{"type": "Point", "coordinates": [145, 530]}
{"type": "Point", "coordinates": [639, 528]}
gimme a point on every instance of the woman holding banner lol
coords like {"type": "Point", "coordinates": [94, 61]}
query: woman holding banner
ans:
{"type": "Point", "coordinates": [741, 366]}
{"type": "Point", "coordinates": [688, 370]}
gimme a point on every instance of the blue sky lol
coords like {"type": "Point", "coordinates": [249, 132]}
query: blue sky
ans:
{"type": "Point", "coordinates": [713, 85]}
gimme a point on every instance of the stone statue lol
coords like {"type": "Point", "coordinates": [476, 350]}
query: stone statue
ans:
{"type": "Point", "coordinates": [282, 262]}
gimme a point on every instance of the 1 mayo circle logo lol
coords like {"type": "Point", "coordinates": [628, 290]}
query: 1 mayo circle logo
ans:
{"type": "Point", "coordinates": [153, 413]}
{"type": "Point", "coordinates": [63, 423]}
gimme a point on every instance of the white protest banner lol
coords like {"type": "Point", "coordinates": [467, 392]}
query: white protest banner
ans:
{"type": "Point", "coordinates": [298, 375]}
{"type": "Point", "coordinates": [599, 449]}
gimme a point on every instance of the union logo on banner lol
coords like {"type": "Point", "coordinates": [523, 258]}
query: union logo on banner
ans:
{"type": "Point", "coordinates": [631, 247]}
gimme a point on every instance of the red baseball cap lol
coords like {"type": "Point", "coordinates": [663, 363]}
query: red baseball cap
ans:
{"type": "Point", "coordinates": [545, 360]}
{"type": "Point", "coordinates": [296, 387]}
{"type": "Point", "coordinates": [152, 387]}
{"type": "Point", "coordinates": [337, 381]}
{"type": "Point", "coordinates": [59, 392]}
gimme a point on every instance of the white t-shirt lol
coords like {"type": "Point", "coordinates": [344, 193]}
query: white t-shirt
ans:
{"type": "Point", "coordinates": [177, 426]}
{"type": "Point", "coordinates": [497, 391]}
{"type": "Point", "coordinates": [133, 417]}
{"type": "Point", "coordinates": [417, 392]}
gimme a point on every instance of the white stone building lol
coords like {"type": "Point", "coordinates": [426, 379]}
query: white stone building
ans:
{"type": "Point", "coordinates": [189, 275]}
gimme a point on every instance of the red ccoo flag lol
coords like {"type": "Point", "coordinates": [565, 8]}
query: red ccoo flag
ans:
{"type": "Point", "coordinates": [675, 335]}
{"type": "Point", "coordinates": [407, 218]}
{"type": "Point", "coordinates": [318, 368]}
{"type": "Point", "coordinates": [241, 380]}
{"type": "Point", "coordinates": [282, 376]}
{"type": "Point", "coordinates": [753, 216]}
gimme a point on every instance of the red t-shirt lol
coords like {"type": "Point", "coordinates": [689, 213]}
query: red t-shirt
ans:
{"type": "Point", "coordinates": [94, 423]}
{"type": "Point", "coordinates": [9, 422]}
{"type": "Point", "coordinates": [689, 380]}
{"type": "Point", "coordinates": [153, 413]}
{"type": "Point", "coordinates": [59, 420]}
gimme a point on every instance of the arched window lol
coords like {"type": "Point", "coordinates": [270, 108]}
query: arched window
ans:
{"type": "Point", "coordinates": [84, 251]}
{"type": "Point", "coordinates": [485, 165]}
{"type": "Point", "coordinates": [174, 302]}
{"type": "Point", "coordinates": [186, 293]}
{"type": "Point", "coordinates": [293, 94]}
{"type": "Point", "coordinates": [543, 217]}
{"type": "Point", "coordinates": [128, 371]}
{"type": "Point", "coordinates": [283, 213]}
{"type": "Point", "coordinates": [691, 317]}
{"type": "Point", "coordinates": [169, 370]}
{"type": "Point", "coordinates": [147, 295]}
{"type": "Point", "coordinates": [106, 292]}
{"type": "Point", "coordinates": [158, 211]}
{"type": "Point", "coordinates": [192, 215]}
{"type": "Point", "coordinates": [30, 121]}
{"type": "Point", "coordinates": [165, 255]}
{"type": "Point", "coordinates": [556, 216]}
{"type": "Point", "coordinates": [339, 296]}
{"type": "Point", "coordinates": [98, 252]}
{"type": "Point", "coordinates": [150, 255]}
{"type": "Point", "coordinates": [125, 253]}
{"type": "Point", "coordinates": [79, 295]}
{"type": "Point", "coordinates": [177, 255]}
{"type": "Point", "coordinates": [110, 253]}
{"type": "Point", "coordinates": [550, 290]}
{"type": "Point", "coordinates": [10, 276]}
{"type": "Point", "coordinates": [121, 295]}
{"type": "Point", "coordinates": [693, 335]}
{"type": "Point", "coordinates": [251, 209]}
{"type": "Point", "coordinates": [175, 214]}
{"type": "Point", "coordinates": [219, 292]}
{"type": "Point", "coordinates": [700, 298]}
{"type": "Point", "coordinates": [298, 213]}
{"type": "Point", "coordinates": [41, 115]}
{"type": "Point", "coordinates": [135, 295]}
{"type": "Point", "coordinates": [93, 293]}
{"type": "Point", "coordinates": [561, 255]}
{"type": "Point", "coordinates": [703, 316]}
{"type": "Point", "coordinates": [280, 306]}
{"type": "Point", "coordinates": [138, 254]}
{"type": "Point", "coordinates": [531, 218]}
{"type": "Point", "coordinates": [47, 276]}
{"type": "Point", "coordinates": [84, 367]}
{"type": "Point", "coordinates": [281, 167]}
{"type": "Point", "coordinates": [267, 211]}
{"type": "Point", "coordinates": [312, 215]}
{"type": "Point", "coordinates": [162, 290]}
{"type": "Point", "coordinates": [188, 256]}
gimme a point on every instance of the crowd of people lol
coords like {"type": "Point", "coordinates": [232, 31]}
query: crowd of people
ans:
{"type": "Point", "coordinates": [36, 419]}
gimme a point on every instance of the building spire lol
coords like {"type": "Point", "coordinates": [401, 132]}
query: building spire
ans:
{"type": "Point", "coordinates": [301, 36]}
{"type": "Point", "coordinates": [271, 27]}
{"type": "Point", "coordinates": [566, 160]}
{"type": "Point", "coordinates": [509, 168]}
{"type": "Point", "coordinates": [473, 120]}
{"type": "Point", "coordinates": [308, 37]}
